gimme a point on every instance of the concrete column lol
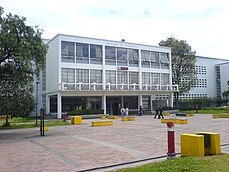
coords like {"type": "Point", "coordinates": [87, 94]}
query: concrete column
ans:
{"type": "Point", "coordinates": [151, 104]}
{"type": "Point", "coordinates": [88, 103]}
{"type": "Point", "coordinates": [104, 105]}
{"type": "Point", "coordinates": [47, 104]}
{"type": "Point", "coordinates": [59, 105]}
{"type": "Point", "coordinates": [171, 100]}
{"type": "Point", "coordinates": [140, 100]}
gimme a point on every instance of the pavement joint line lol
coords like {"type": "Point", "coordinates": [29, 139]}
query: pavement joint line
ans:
{"type": "Point", "coordinates": [116, 147]}
{"type": "Point", "coordinates": [58, 154]}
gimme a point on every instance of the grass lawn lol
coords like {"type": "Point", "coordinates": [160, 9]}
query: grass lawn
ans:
{"type": "Point", "coordinates": [208, 111]}
{"type": "Point", "coordinates": [186, 164]}
{"type": "Point", "coordinates": [26, 122]}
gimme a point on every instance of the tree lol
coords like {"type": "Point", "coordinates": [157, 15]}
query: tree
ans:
{"type": "Point", "coordinates": [226, 93]}
{"type": "Point", "coordinates": [22, 56]}
{"type": "Point", "coordinates": [183, 65]}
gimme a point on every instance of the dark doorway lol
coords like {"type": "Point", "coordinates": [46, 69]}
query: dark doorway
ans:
{"type": "Point", "coordinates": [113, 105]}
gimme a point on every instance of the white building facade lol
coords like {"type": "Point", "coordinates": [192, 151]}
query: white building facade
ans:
{"type": "Point", "coordinates": [101, 74]}
{"type": "Point", "coordinates": [212, 75]}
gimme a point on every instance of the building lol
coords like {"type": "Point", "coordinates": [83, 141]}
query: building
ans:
{"type": "Point", "coordinates": [212, 77]}
{"type": "Point", "coordinates": [87, 73]}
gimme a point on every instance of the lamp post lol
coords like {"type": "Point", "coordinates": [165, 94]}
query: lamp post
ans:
{"type": "Point", "coordinates": [37, 83]}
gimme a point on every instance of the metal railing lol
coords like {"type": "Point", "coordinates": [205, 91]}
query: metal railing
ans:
{"type": "Point", "coordinates": [112, 87]}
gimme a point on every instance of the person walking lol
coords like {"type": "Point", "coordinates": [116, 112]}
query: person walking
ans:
{"type": "Point", "coordinates": [157, 114]}
{"type": "Point", "coordinates": [161, 112]}
{"type": "Point", "coordinates": [141, 111]}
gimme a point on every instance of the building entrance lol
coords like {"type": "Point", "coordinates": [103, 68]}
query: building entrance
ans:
{"type": "Point", "coordinates": [114, 105]}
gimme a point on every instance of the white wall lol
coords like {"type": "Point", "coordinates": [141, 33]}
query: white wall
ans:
{"type": "Point", "coordinates": [52, 65]}
{"type": "Point", "coordinates": [224, 76]}
{"type": "Point", "coordinates": [210, 64]}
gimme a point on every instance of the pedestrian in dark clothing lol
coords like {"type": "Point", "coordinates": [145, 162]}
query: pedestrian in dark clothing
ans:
{"type": "Point", "coordinates": [161, 112]}
{"type": "Point", "coordinates": [140, 110]}
{"type": "Point", "coordinates": [157, 114]}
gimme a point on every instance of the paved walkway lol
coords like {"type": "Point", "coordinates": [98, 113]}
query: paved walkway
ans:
{"type": "Point", "coordinates": [82, 147]}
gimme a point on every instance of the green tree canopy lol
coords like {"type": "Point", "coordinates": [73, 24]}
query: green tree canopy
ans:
{"type": "Point", "coordinates": [22, 56]}
{"type": "Point", "coordinates": [183, 64]}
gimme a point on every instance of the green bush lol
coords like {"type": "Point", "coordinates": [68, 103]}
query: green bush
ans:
{"type": "Point", "coordinates": [85, 112]}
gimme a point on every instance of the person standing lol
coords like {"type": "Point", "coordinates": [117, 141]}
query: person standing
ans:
{"type": "Point", "coordinates": [127, 111]}
{"type": "Point", "coordinates": [157, 114]}
{"type": "Point", "coordinates": [161, 112]}
{"type": "Point", "coordinates": [122, 111]}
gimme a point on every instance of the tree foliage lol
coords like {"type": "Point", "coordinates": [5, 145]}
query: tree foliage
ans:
{"type": "Point", "coordinates": [22, 56]}
{"type": "Point", "coordinates": [226, 93]}
{"type": "Point", "coordinates": [183, 64]}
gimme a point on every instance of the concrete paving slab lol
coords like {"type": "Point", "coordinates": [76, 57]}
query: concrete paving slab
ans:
{"type": "Point", "coordinates": [82, 147]}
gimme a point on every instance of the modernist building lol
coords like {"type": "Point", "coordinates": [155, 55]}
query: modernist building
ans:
{"type": "Point", "coordinates": [92, 73]}
{"type": "Point", "coordinates": [212, 77]}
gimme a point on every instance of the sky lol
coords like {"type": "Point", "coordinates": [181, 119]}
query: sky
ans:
{"type": "Point", "coordinates": [202, 23]}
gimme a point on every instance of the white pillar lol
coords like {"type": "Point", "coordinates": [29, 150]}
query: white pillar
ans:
{"type": "Point", "coordinates": [140, 100]}
{"type": "Point", "coordinates": [59, 106]}
{"type": "Point", "coordinates": [47, 104]}
{"type": "Point", "coordinates": [151, 103]}
{"type": "Point", "coordinates": [104, 105]}
{"type": "Point", "coordinates": [171, 100]}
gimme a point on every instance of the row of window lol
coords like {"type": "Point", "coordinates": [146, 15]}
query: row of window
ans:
{"type": "Point", "coordinates": [70, 75]}
{"type": "Point", "coordinates": [192, 96]}
{"type": "Point", "coordinates": [200, 83]}
{"type": "Point", "coordinates": [201, 70]}
{"type": "Point", "coordinates": [90, 53]}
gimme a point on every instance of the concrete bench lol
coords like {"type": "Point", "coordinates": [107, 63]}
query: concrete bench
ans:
{"type": "Point", "coordinates": [175, 121]}
{"type": "Point", "coordinates": [221, 115]}
{"type": "Point", "coordinates": [101, 123]}
{"type": "Point", "coordinates": [112, 117]}
{"type": "Point", "coordinates": [128, 119]}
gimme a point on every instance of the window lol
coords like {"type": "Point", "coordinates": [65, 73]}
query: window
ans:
{"type": "Point", "coordinates": [145, 78]}
{"type": "Point", "coordinates": [68, 75]}
{"type": "Point", "coordinates": [122, 77]}
{"type": "Point", "coordinates": [82, 53]}
{"type": "Point", "coordinates": [164, 79]}
{"type": "Point", "coordinates": [133, 57]}
{"type": "Point", "coordinates": [82, 75]}
{"type": "Point", "coordinates": [110, 76]}
{"type": "Point", "coordinates": [154, 58]}
{"type": "Point", "coordinates": [110, 55]}
{"type": "Point", "coordinates": [67, 52]}
{"type": "Point", "coordinates": [96, 54]}
{"type": "Point", "coordinates": [164, 59]}
{"type": "Point", "coordinates": [122, 56]}
{"type": "Point", "coordinates": [145, 58]}
{"type": "Point", "coordinates": [133, 77]}
{"type": "Point", "coordinates": [96, 76]}
{"type": "Point", "coordinates": [131, 102]}
{"type": "Point", "coordinates": [155, 78]}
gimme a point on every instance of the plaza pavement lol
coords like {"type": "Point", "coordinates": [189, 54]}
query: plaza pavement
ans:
{"type": "Point", "coordinates": [82, 147]}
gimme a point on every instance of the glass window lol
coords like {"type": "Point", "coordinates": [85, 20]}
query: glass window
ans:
{"type": "Point", "coordinates": [110, 55]}
{"type": "Point", "coordinates": [145, 58]}
{"type": "Point", "coordinates": [164, 59]}
{"type": "Point", "coordinates": [82, 53]}
{"type": "Point", "coordinates": [67, 52]}
{"type": "Point", "coordinates": [122, 56]}
{"type": "Point", "coordinates": [68, 75]}
{"type": "Point", "coordinates": [95, 76]}
{"type": "Point", "coordinates": [146, 102]}
{"type": "Point", "coordinates": [133, 57]}
{"type": "Point", "coordinates": [154, 58]}
{"type": "Point", "coordinates": [82, 75]}
{"type": "Point", "coordinates": [133, 77]}
{"type": "Point", "coordinates": [122, 77]}
{"type": "Point", "coordinates": [131, 102]}
{"type": "Point", "coordinates": [145, 78]}
{"type": "Point", "coordinates": [164, 79]}
{"type": "Point", "coordinates": [96, 54]}
{"type": "Point", "coordinates": [110, 76]}
{"type": "Point", "coordinates": [155, 78]}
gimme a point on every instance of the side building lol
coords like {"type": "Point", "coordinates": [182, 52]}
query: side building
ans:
{"type": "Point", "coordinates": [212, 76]}
{"type": "Point", "coordinates": [87, 73]}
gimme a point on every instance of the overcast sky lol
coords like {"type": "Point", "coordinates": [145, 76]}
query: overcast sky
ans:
{"type": "Point", "coordinates": [202, 23]}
